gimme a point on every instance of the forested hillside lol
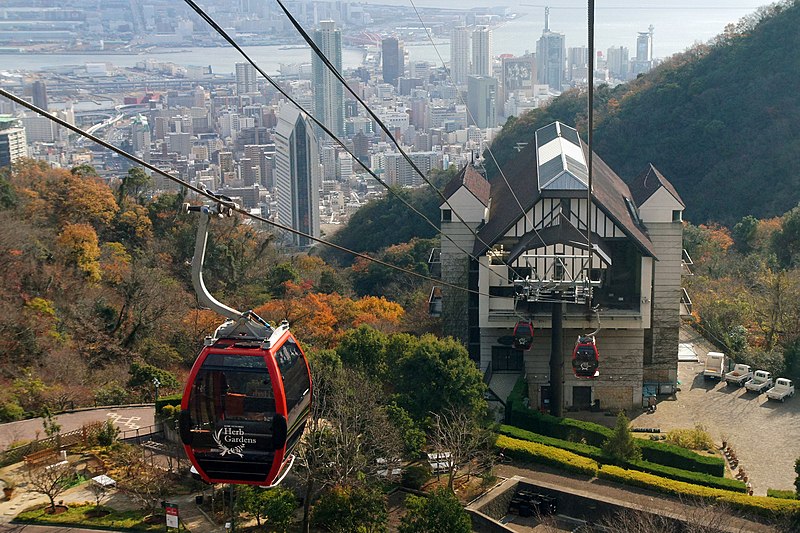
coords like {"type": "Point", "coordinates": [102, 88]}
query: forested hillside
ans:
{"type": "Point", "coordinates": [721, 121]}
{"type": "Point", "coordinates": [96, 300]}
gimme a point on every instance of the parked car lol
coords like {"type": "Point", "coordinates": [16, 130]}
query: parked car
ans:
{"type": "Point", "coordinates": [715, 366]}
{"type": "Point", "coordinates": [784, 388]}
{"type": "Point", "coordinates": [762, 380]}
{"type": "Point", "coordinates": [740, 375]}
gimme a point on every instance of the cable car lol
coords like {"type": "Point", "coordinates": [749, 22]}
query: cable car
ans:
{"type": "Point", "coordinates": [248, 397]}
{"type": "Point", "coordinates": [586, 358]}
{"type": "Point", "coordinates": [245, 407]}
{"type": "Point", "coordinates": [523, 335]}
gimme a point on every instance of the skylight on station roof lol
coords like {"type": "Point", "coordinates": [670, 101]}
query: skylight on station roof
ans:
{"type": "Point", "coordinates": [559, 155]}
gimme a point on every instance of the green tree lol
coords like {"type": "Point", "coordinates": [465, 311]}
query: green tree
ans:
{"type": "Point", "coordinates": [347, 509]}
{"type": "Point", "coordinates": [364, 349]}
{"type": "Point", "coordinates": [797, 479]}
{"type": "Point", "coordinates": [433, 374]}
{"type": "Point", "coordinates": [279, 275]}
{"type": "Point", "coordinates": [441, 512]}
{"type": "Point", "coordinates": [621, 445]}
{"type": "Point", "coordinates": [743, 233]}
{"type": "Point", "coordinates": [135, 183]}
{"type": "Point", "coordinates": [142, 376]}
{"type": "Point", "coordinates": [413, 436]}
{"type": "Point", "coordinates": [276, 506]}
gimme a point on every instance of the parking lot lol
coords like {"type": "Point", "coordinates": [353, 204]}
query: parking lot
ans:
{"type": "Point", "coordinates": [765, 435]}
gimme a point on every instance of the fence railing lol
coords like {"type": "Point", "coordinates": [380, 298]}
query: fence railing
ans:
{"type": "Point", "coordinates": [82, 436]}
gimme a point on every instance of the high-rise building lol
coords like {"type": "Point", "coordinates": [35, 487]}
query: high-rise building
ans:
{"type": "Point", "coordinates": [519, 76]}
{"type": "Point", "coordinates": [617, 62]}
{"type": "Point", "coordinates": [39, 94]}
{"type": "Point", "coordinates": [459, 55]}
{"type": "Point", "coordinates": [400, 173]}
{"type": "Point", "coordinates": [644, 52]}
{"type": "Point", "coordinates": [482, 101]}
{"type": "Point", "coordinates": [140, 134]}
{"type": "Point", "coordinates": [550, 56]}
{"type": "Point", "coordinates": [246, 79]}
{"type": "Point", "coordinates": [393, 57]}
{"type": "Point", "coordinates": [482, 51]}
{"type": "Point", "coordinates": [297, 174]}
{"type": "Point", "coordinates": [578, 63]}
{"type": "Point", "coordinates": [328, 92]}
{"type": "Point", "coordinates": [13, 144]}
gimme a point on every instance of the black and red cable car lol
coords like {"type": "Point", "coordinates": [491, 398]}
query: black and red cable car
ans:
{"type": "Point", "coordinates": [248, 396]}
{"type": "Point", "coordinates": [523, 335]}
{"type": "Point", "coordinates": [586, 358]}
{"type": "Point", "coordinates": [245, 407]}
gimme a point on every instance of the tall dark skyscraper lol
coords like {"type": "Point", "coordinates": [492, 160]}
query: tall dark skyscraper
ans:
{"type": "Point", "coordinates": [393, 60]}
{"type": "Point", "coordinates": [39, 94]}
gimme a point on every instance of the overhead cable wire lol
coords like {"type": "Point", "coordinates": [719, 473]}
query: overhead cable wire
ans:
{"type": "Point", "coordinates": [205, 16]}
{"type": "Point", "coordinates": [488, 147]}
{"type": "Point", "coordinates": [377, 120]}
{"type": "Point", "coordinates": [206, 194]}
{"type": "Point", "coordinates": [461, 99]}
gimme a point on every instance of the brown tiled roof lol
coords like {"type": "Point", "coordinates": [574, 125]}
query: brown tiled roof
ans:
{"type": "Point", "coordinates": [472, 180]}
{"type": "Point", "coordinates": [648, 182]}
{"type": "Point", "coordinates": [609, 193]}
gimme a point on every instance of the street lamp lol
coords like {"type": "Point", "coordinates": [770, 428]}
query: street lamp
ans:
{"type": "Point", "coordinates": [156, 384]}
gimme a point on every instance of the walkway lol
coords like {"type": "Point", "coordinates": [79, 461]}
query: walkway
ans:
{"type": "Point", "coordinates": [126, 418]}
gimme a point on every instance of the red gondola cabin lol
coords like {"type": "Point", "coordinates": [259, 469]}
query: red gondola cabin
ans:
{"type": "Point", "coordinates": [585, 358]}
{"type": "Point", "coordinates": [523, 336]}
{"type": "Point", "coordinates": [245, 407]}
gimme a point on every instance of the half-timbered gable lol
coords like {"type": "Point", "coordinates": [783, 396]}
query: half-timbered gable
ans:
{"type": "Point", "coordinates": [544, 238]}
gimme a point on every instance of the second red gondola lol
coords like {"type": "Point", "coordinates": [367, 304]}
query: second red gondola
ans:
{"type": "Point", "coordinates": [586, 358]}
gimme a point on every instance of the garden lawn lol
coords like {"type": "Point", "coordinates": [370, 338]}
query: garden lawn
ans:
{"type": "Point", "coordinates": [76, 515]}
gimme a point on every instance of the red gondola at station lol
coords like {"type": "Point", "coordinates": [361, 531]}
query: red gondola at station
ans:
{"type": "Point", "coordinates": [248, 396]}
{"type": "Point", "coordinates": [523, 335]}
{"type": "Point", "coordinates": [586, 358]}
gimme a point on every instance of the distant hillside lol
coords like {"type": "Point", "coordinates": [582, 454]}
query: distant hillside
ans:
{"type": "Point", "coordinates": [721, 121]}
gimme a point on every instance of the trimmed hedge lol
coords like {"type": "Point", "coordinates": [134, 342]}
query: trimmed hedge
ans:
{"type": "Point", "coordinates": [677, 457]}
{"type": "Point", "coordinates": [762, 505]}
{"type": "Point", "coordinates": [782, 494]}
{"type": "Point", "coordinates": [597, 454]}
{"type": "Point", "coordinates": [173, 399]}
{"type": "Point", "coordinates": [548, 455]}
{"type": "Point", "coordinates": [579, 448]}
{"type": "Point", "coordinates": [596, 435]}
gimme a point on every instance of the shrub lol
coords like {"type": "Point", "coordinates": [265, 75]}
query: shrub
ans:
{"type": "Point", "coordinates": [596, 435]}
{"type": "Point", "coordinates": [677, 457]}
{"type": "Point", "coordinates": [597, 454]}
{"type": "Point", "coordinates": [108, 433]}
{"type": "Point", "coordinates": [351, 509]}
{"type": "Point", "coordinates": [579, 448]}
{"type": "Point", "coordinates": [782, 494]}
{"type": "Point", "coordinates": [692, 439]}
{"type": "Point", "coordinates": [415, 476]}
{"type": "Point", "coordinates": [174, 400]}
{"type": "Point", "coordinates": [765, 506]}
{"type": "Point", "coordinates": [516, 398]}
{"type": "Point", "coordinates": [548, 455]}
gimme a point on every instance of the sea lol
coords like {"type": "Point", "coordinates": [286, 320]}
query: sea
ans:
{"type": "Point", "coordinates": [676, 27]}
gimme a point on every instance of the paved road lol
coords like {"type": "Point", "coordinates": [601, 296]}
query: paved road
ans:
{"type": "Point", "coordinates": [764, 434]}
{"type": "Point", "coordinates": [126, 418]}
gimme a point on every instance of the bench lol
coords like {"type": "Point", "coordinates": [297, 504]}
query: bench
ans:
{"type": "Point", "coordinates": [42, 457]}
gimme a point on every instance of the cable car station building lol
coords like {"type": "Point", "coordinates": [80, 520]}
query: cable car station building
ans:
{"type": "Point", "coordinates": [532, 253]}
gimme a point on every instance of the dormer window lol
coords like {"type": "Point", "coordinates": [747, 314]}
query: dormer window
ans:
{"type": "Point", "coordinates": [447, 215]}
{"type": "Point", "coordinates": [632, 211]}
{"type": "Point", "coordinates": [677, 215]}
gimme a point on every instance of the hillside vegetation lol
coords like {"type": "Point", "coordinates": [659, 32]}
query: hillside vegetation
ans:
{"type": "Point", "coordinates": [722, 116]}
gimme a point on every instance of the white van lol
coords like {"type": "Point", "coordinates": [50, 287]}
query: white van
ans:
{"type": "Point", "coordinates": [715, 366]}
